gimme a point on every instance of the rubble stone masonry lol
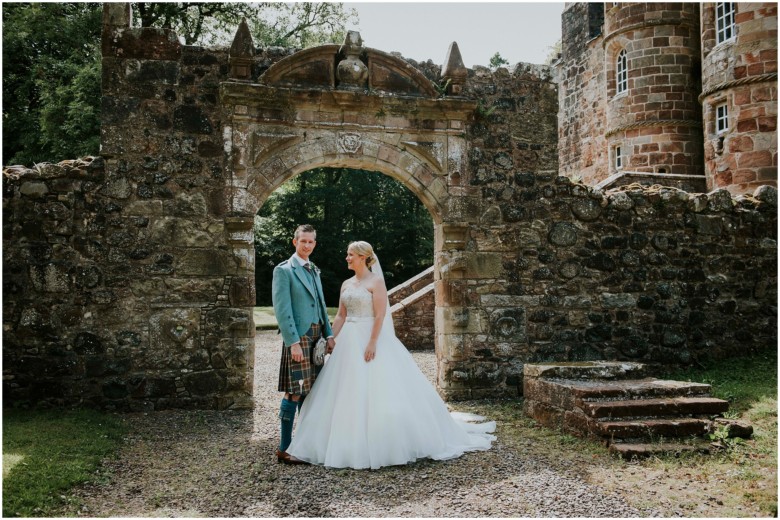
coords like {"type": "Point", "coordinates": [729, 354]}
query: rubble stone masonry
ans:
{"type": "Point", "coordinates": [128, 278]}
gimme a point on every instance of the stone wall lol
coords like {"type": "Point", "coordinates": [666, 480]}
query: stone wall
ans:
{"type": "Point", "coordinates": [413, 306]}
{"type": "Point", "coordinates": [741, 72]}
{"type": "Point", "coordinates": [581, 80]}
{"type": "Point", "coordinates": [128, 279]}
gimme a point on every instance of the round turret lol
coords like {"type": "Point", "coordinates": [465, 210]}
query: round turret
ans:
{"type": "Point", "coordinates": [652, 69]}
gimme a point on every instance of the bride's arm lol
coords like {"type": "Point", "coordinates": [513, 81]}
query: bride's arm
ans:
{"type": "Point", "coordinates": [341, 315]}
{"type": "Point", "coordinates": [379, 300]}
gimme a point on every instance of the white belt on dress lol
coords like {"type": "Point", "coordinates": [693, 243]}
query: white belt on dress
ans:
{"type": "Point", "coordinates": [360, 318]}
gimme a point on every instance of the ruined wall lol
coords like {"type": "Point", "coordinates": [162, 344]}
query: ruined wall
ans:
{"type": "Point", "coordinates": [132, 308]}
{"type": "Point", "coordinates": [413, 306]}
{"type": "Point", "coordinates": [127, 282]}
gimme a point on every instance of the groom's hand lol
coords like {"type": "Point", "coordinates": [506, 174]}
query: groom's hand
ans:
{"type": "Point", "coordinates": [296, 352]}
{"type": "Point", "coordinates": [331, 345]}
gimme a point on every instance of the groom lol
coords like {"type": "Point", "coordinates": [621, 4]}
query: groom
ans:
{"type": "Point", "coordinates": [300, 311]}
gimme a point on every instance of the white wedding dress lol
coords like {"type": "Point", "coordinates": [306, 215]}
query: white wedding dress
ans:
{"type": "Point", "coordinates": [381, 413]}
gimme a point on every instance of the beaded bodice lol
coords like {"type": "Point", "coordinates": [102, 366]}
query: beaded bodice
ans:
{"type": "Point", "coordinates": [358, 301]}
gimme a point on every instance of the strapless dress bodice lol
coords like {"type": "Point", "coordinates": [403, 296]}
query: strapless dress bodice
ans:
{"type": "Point", "coordinates": [358, 300]}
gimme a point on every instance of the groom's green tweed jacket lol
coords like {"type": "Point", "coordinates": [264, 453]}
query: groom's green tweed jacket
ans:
{"type": "Point", "coordinates": [294, 301]}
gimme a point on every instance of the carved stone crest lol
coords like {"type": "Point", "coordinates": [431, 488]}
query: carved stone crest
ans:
{"type": "Point", "coordinates": [349, 142]}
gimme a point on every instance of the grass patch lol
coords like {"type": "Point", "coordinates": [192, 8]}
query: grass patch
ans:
{"type": "Point", "coordinates": [743, 382]}
{"type": "Point", "coordinates": [266, 320]}
{"type": "Point", "coordinates": [46, 452]}
{"type": "Point", "coordinates": [735, 482]}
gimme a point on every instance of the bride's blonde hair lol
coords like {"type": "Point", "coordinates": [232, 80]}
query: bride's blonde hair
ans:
{"type": "Point", "coordinates": [364, 249]}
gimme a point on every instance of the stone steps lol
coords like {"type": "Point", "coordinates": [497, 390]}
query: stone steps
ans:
{"type": "Point", "coordinates": [653, 428]}
{"type": "Point", "coordinates": [665, 407]}
{"type": "Point", "coordinates": [617, 403]}
{"type": "Point", "coordinates": [641, 450]}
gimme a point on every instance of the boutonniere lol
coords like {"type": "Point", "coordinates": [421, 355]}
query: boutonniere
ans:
{"type": "Point", "coordinates": [314, 267]}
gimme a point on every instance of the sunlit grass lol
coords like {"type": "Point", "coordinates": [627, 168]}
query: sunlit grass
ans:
{"type": "Point", "coordinates": [265, 319]}
{"type": "Point", "coordinates": [46, 452]}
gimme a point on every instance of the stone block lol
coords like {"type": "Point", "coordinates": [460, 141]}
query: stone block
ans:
{"type": "Point", "coordinates": [183, 232]}
{"type": "Point", "coordinates": [585, 370]}
{"type": "Point", "coordinates": [173, 332]}
{"type": "Point", "coordinates": [509, 325]}
{"type": "Point", "coordinates": [34, 189]}
{"type": "Point", "coordinates": [50, 278]}
{"type": "Point", "coordinates": [242, 291]}
{"type": "Point", "coordinates": [204, 262]}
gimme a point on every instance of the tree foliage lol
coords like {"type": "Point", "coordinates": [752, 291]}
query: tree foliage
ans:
{"type": "Point", "coordinates": [343, 205]}
{"type": "Point", "coordinates": [51, 61]}
{"type": "Point", "coordinates": [51, 81]}
{"type": "Point", "coordinates": [297, 24]}
{"type": "Point", "coordinates": [497, 61]}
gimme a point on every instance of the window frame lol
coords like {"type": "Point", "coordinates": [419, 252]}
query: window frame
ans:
{"type": "Point", "coordinates": [725, 13]}
{"type": "Point", "coordinates": [721, 116]}
{"type": "Point", "coordinates": [617, 157]}
{"type": "Point", "coordinates": [621, 73]}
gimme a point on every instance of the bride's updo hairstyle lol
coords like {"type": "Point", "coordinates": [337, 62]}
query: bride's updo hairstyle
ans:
{"type": "Point", "coordinates": [363, 249]}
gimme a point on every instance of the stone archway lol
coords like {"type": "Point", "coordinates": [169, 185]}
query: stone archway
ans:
{"type": "Point", "coordinates": [304, 113]}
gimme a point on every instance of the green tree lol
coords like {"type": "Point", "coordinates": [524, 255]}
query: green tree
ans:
{"type": "Point", "coordinates": [51, 61]}
{"type": "Point", "coordinates": [297, 24]}
{"type": "Point", "coordinates": [555, 51]}
{"type": "Point", "coordinates": [343, 205]}
{"type": "Point", "coordinates": [497, 61]}
{"type": "Point", "coordinates": [51, 81]}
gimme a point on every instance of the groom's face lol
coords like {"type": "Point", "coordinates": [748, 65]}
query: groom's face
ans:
{"type": "Point", "coordinates": [304, 244]}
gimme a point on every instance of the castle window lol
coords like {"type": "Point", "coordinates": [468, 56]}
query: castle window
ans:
{"type": "Point", "coordinates": [617, 152]}
{"type": "Point", "coordinates": [725, 21]}
{"type": "Point", "coordinates": [621, 72]}
{"type": "Point", "coordinates": [722, 118]}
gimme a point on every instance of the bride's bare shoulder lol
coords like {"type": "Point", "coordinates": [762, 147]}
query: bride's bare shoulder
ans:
{"type": "Point", "coordinates": [347, 282]}
{"type": "Point", "coordinates": [376, 280]}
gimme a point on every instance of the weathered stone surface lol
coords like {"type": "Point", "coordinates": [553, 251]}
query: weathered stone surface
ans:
{"type": "Point", "coordinates": [149, 248]}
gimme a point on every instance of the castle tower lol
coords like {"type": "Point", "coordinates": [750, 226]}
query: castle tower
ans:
{"type": "Point", "coordinates": [739, 97]}
{"type": "Point", "coordinates": [652, 69]}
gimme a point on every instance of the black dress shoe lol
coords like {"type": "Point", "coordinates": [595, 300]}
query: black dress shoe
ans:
{"type": "Point", "coordinates": [286, 458]}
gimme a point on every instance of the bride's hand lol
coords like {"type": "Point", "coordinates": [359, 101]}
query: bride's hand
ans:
{"type": "Point", "coordinates": [331, 344]}
{"type": "Point", "coordinates": [370, 353]}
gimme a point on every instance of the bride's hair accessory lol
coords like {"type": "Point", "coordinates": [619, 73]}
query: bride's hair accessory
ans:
{"type": "Point", "coordinates": [363, 249]}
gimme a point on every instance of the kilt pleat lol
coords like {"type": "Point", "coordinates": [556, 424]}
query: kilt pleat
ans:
{"type": "Point", "coordinates": [297, 378]}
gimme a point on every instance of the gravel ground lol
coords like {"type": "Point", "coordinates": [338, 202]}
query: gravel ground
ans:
{"type": "Point", "coordinates": [222, 464]}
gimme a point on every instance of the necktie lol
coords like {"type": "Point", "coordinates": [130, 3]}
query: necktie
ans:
{"type": "Point", "coordinates": [307, 266]}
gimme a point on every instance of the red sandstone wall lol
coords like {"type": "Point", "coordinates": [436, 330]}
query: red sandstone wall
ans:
{"type": "Point", "coordinates": [742, 73]}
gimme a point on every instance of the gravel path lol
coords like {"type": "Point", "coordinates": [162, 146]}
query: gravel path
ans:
{"type": "Point", "coordinates": [196, 463]}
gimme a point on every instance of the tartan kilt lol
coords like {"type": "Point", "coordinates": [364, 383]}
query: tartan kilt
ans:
{"type": "Point", "coordinates": [290, 372]}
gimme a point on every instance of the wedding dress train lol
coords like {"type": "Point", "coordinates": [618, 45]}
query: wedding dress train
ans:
{"type": "Point", "coordinates": [380, 413]}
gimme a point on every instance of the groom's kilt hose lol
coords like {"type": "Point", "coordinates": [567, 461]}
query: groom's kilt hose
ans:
{"type": "Point", "coordinates": [291, 373]}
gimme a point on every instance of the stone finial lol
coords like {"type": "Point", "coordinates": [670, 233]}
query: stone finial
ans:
{"type": "Point", "coordinates": [454, 70]}
{"type": "Point", "coordinates": [241, 52]}
{"type": "Point", "coordinates": [351, 72]}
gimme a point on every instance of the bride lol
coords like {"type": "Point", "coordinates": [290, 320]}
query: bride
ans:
{"type": "Point", "coordinates": [371, 406]}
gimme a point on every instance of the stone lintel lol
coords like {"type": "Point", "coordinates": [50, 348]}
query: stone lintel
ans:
{"type": "Point", "coordinates": [262, 97]}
